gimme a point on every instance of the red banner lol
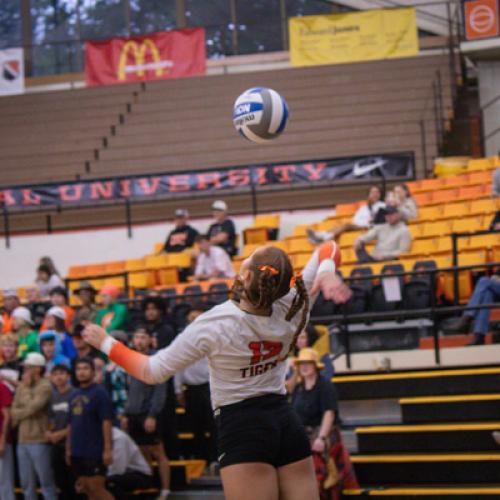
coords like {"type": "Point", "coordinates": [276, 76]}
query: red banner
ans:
{"type": "Point", "coordinates": [157, 56]}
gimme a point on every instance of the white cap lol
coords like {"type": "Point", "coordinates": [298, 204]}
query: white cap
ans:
{"type": "Point", "coordinates": [57, 312]}
{"type": "Point", "coordinates": [10, 292]}
{"type": "Point", "coordinates": [23, 313]}
{"type": "Point", "coordinates": [219, 205]}
{"type": "Point", "coordinates": [34, 359]}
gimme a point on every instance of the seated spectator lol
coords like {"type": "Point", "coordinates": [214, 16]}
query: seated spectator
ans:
{"type": "Point", "coordinates": [112, 316]}
{"type": "Point", "coordinates": [30, 413]}
{"type": "Point", "coordinates": [222, 232]}
{"type": "Point", "coordinates": [486, 291]}
{"type": "Point", "coordinates": [154, 313]}
{"type": "Point", "coordinates": [88, 308]}
{"type": "Point", "coordinates": [183, 235]}
{"type": "Point", "coordinates": [392, 239]}
{"type": "Point", "coordinates": [51, 349]}
{"type": "Point", "coordinates": [10, 302]}
{"type": "Point", "coordinates": [129, 470]}
{"type": "Point", "coordinates": [47, 281]}
{"type": "Point", "coordinates": [55, 320]}
{"type": "Point", "coordinates": [6, 449]}
{"type": "Point", "coordinates": [47, 261]}
{"type": "Point", "coordinates": [495, 189]}
{"type": "Point", "coordinates": [315, 400]}
{"type": "Point", "coordinates": [36, 305]}
{"type": "Point", "coordinates": [10, 363]}
{"type": "Point", "coordinates": [58, 298]}
{"type": "Point", "coordinates": [363, 219]}
{"type": "Point", "coordinates": [405, 203]}
{"type": "Point", "coordinates": [62, 394]}
{"type": "Point", "coordinates": [22, 326]}
{"type": "Point", "coordinates": [212, 261]}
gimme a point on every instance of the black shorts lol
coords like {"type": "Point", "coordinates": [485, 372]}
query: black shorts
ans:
{"type": "Point", "coordinates": [139, 435]}
{"type": "Point", "coordinates": [264, 429]}
{"type": "Point", "coordinates": [87, 467]}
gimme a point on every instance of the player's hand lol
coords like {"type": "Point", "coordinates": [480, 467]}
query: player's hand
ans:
{"type": "Point", "coordinates": [107, 457]}
{"type": "Point", "coordinates": [332, 287]}
{"type": "Point", "coordinates": [150, 425]}
{"type": "Point", "coordinates": [94, 335]}
{"type": "Point", "coordinates": [318, 446]}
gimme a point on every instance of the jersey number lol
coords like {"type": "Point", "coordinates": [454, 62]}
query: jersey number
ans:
{"type": "Point", "coordinates": [262, 351]}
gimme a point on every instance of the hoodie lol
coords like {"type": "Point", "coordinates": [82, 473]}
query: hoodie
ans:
{"type": "Point", "coordinates": [59, 358]}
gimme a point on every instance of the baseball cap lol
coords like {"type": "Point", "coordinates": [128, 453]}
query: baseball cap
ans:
{"type": "Point", "coordinates": [23, 313]}
{"type": "Point", "coordinates": [34, 359]}
{"type": "Point", "coordinates": [181, 212]}
{"type": "Point", "coordinates": [219, 205]}
{"type": "Point", "coordinates": [84, 285]}
{"type": "Point", "coordinates": [57, 312]}
{"type": "Point", "coordinates": [10, 292]}
{"type": "Point", "coordinates": [111, 290]}
{"type": "Point", "coordinates": [391, 209]}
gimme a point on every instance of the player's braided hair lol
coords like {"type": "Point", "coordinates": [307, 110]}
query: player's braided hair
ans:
{"type": "Point", "coordinates": [272, 279]}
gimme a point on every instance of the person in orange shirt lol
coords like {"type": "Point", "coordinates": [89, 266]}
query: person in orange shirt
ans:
{"type": "Point", "coordinates": [58, 298]}
{"type": "Point", "coordinates": [10, 302]}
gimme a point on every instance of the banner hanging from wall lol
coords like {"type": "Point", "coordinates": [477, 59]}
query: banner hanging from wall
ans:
{"type": "Point", "coordinates": [355, 36]}
{"type": "Point", "coordinates": [141, 188]}
{"type": "Point", "coordinates": [12, 68]}
{"type": "Point", "coordinates": [481, 19]}
{"type": "Point", "coordinates": [157, 56]}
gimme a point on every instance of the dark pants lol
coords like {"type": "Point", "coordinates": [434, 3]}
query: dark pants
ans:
{"type": "Point", "coordinates": [62, 474]}
{"type": "Point", "coordinates": [121, 485]}
{"type": "Point", "coordinates": [169, 417]}
{"type": "Point", "coordinates": [363, 256]}
{"type": "Point", "coordinates": [201, 420]}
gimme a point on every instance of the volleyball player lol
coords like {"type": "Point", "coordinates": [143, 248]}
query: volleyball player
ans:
{"type": "Point", "coordinates": [263, 450]}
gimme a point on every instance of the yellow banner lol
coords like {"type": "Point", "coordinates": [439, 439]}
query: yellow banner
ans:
{"type": "Point", "coordinates": [356, 36]}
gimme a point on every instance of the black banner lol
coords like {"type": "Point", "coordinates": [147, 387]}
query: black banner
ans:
{"type": "Point", "coordinates": [141, 188]}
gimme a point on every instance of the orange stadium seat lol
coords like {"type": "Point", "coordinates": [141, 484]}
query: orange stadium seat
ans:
{"type": "Point", "coordinates": [455, 181]}
{"type": "Point", "coordinates": [416, 230]}
{"type": "Point", "coordinates": [300, 229]}
{"type": "Point", "coordinates": [167, 276]}
{"type": "Point", "coordinates": [299, 245]}
{"type": "Point", "coordinates": [467, 225]}
{"type": "Point", "coordinates": [471, 192]}
{"type": "Point", "coordinates": [484, 241]}
{"type": "Point", "coordinates": [141, 279]}
{"type": "Point", "coordinates": [77, 271]}
{"type": "Point", "coordinates": [484, 206]}
{"type": "Point", "coordinates": [481, 177]}
{"type": "Point", "coordinates": [347, 239]}
{"type": "Point", "coordinates": [156, 261]}
{"type": "Point", "coordinates": [158, 247]}
{"type": "Point", "coordinates": [346, 208]}
{"type": "Point", "coordinates": [267, 221]}
{"type": "Point", "coordinates": [454, 210]}
{"type": "Point", "coordinates": [435, 229]}
{"type": "Point", "coordinates": [96, 269]}
{"type": "Point", "coordinates": [299, 260]}
{"type": "Point", "coordinates": [422, 199]}
{"type": "Point", "coordinates": [181, 259]}
{"type": "Point", "coordinates": [135, 265]}
{"type": "Point", "coordinates": [431, 213]}
{"type": "Point", "coordinates": [422, 247]}
{"type": "Point", "coordinates": [115, 267]}
{"type": "Point", "coordinates": [480, 164]}
{"type": "Point", "coordinates": [429, 185]}
{"type": "Point", "coordinates": [254, 235]}
{"type": "Point", "coordinates": [249, 249]}
{"type": "Point", "coordinates": [444, 196]}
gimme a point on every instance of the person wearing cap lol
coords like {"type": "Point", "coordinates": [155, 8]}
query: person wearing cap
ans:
{"type": "Point", "coordinates": [6, 448]}
{"type": "Point", "coordinates": [183, 235]}
{"type": "Point", "coordinates": [315, 400]}
{"type": "Point", "coordinates": [59, 298]}
{"type": "Point", "coordinates": [10, 302]}
{"type": "Point", "coordinates": [51, 349]}
{"type": "Point", "coordinates": [55, 320]}
{"type": "Point", "coordinates": [30, 413]}
{"type": "Point", "coordinates": [112, 316]}
{"type": "Point", "coordinates": [212, 262]}
{"type": "Point", "coordinates": [222, 232]}
{"type": "Point", "coordinates": [88, 309]}
{"type": "Point", "coordinates": [391, 239]}
{"type": "Point", "coordinates": [22, 326]}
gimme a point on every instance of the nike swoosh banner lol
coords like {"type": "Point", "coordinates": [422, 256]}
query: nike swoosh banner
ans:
{"type": "Point", "coordinates": [157, 56]}
{"type": "Point", "coordinates": [397, 166]}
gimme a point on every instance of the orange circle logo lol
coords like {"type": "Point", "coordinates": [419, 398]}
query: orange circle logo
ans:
{"type": "Point", "coordinates": [482, 18]}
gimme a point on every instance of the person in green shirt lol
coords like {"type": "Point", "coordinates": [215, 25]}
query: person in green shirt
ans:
{"type": "Point", "coordinates": [22, 326]}
{"type": "Point", "coordinates": [112, 316]}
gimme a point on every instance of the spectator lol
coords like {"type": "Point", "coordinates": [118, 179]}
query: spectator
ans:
{"type": "Point", "coordinates": [315, 402]}
{"type": "Point", "coordinates": [36, 305]}
{"type": "Point", "coordinates": [22, 326]}
{"type": "Point", "coordinates": [307, 339]}
{"type": "Point", "coordinates": [116, 383]}
{"type": "Point", "coordinates": [51, 349]}
{"type": "Point", "coordinates": [392, 239]}
{"type": "Point", "coordinates": [495, 189]}
{"type": "Point", "coordinates": [83, 350]}
{"type": "Point", "coordinates": [363, 219]}
{"type": "Point", "coordinates": [183, 235]}
{"type": "Point", "coordinates": [222, 232]}
{"type": "Point", "coordinates": [47, 281]}
{"type": "Point", "coordinates": [192, 390]}
{"type": "Point", "coordinates": [10, 303]}
{"type": "Point", "coordinates": [89, 443]}
{"type": "Point", "coordinates": [11, 364]}
{"type": "Point", "coordinates": [55, 320]}
{"type": "Point", "coordinates": [99, 369]}
{"type": "Point", "coordinates": [6, 452]}
{"type": "Point", "coordinates": [154, 313]}
{"type": "Point", "coordinates": [62, 394]}
{"type": "Point", "coordinates": [145, 404]}
{"type": "Point", "coordinates": [486, 291]}
{"type": "Point", "coordinates": [212, 261]}
{"type": "Point", "coordinates": [129, 470]}
{"type": "Point", "coordinates": [405, 203]}
{"type": "Point", "coordinates": [47, 261]}
{"type": "Point", "coordinates": [58, 298]}
{"type": "Point", "coordinates": [113, 316]}
{"type": "Point", "coordinates": [88, 309]}
{"type": "Point", "coordinates": [30, 411]}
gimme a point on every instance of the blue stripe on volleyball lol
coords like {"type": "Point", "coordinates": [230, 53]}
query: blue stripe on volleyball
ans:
{"type": "Point", "coordinates": [284, 117]}
{"type": "Point", "coordinates": [247, 107]}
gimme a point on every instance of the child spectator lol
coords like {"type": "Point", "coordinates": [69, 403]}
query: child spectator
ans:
{"type": "Point", "coordinates": [62, 394]}
{"type": "Point", "coordinates": [145, 404]}
{"type": "Point", "coordinates": [22, 326]}
{"type": "Point", "coordinates": [46, 280]}
{"type": "Point", "coordinates": [55, 320]}
{"type": "Point", "coordinates": [10, 303]}
{"type": "Point", "coordinates": [88, 309]}
{"type": "Point", "coordinates": [51, 349]}
{"type": "Point", "coordinates": [30, 411]}
{"type": "Point", "coordinates": [89, 443]}
{"type": "Point", "coordinates": [154, 313]}
{"type": "Point", "coordinates": [113, 316]}
{"type": "Point", "coordinates": [212, 261]}
{"type": "Point", "coordinates": [222, 232]}
{"type": "Point", "coordinates": [58, 298]}
{"type": "Point", "coordinates": [11, 364]}
{"type": "Point", "coordinates": [36, 305]}
{"type": "Point", "coordinates": [183, 235]}
{"type": "Point", "coordinates": [405, 203]}
{"type": "Point", "coordinates": [6, 452]}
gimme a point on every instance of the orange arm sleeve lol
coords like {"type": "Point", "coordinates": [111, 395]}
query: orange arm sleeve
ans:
{"type": "Point", "coordinates": [330, 250]}
{"type": "Point", "coordinates": [133, 362]}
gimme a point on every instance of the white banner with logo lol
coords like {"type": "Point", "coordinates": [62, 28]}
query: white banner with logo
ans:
{"type": "Point", "coordinates": [11, 71]}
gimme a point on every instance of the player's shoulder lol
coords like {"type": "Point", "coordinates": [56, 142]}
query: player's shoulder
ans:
{"type": "Point", "coordinates": [228, 310]}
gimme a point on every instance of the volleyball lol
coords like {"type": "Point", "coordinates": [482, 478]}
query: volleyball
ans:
{"type": "Point", "coordinates": [260, 114]}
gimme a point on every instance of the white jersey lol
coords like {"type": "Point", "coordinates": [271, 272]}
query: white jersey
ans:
{"type": "Point", "coordinates": [243, 349]}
